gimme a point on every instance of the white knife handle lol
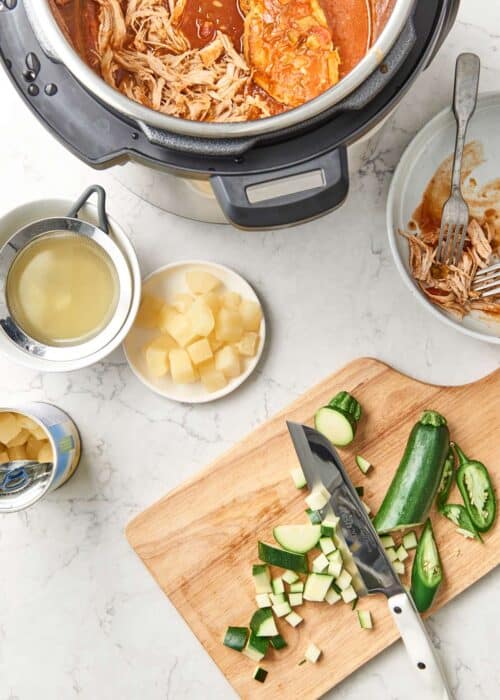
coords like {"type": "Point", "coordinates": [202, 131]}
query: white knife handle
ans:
{"type": "Point", "coordinates": [419, 647]}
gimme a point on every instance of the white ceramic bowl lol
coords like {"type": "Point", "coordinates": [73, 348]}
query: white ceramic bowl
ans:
{"type": "Point", "coordinates": [165, 283]}
{"type": "Point", "coordinates": [46, 208]}
{"type": "Point", "coordinates": [429, 148]}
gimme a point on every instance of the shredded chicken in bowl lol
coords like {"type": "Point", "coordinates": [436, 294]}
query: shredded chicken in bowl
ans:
{"type": "Point", "coordinates": [449, 286]}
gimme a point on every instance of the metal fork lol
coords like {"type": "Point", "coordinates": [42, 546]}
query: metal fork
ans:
{"type": "Point", "coordinates": [487, 281]}
{"type": "Point", "coordinates": [455, 215]}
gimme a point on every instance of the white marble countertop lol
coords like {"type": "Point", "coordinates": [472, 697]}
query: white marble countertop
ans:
{"type": "Point", "coordinates": [79, 615]}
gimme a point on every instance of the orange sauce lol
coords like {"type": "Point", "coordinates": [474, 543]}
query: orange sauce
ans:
{"type": "Point", "coordinates": [349, 22]}
{"type": "Point", "coordinates": [202, 19]}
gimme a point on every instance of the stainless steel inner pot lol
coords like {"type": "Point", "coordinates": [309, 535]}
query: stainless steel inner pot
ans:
{"type": "Point", "coordinates": [57, 46]}
{"type": "Point", "coordinates": [71, 224]}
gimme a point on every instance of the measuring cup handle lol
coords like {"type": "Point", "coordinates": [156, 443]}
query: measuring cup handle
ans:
{"type": "Point", "coordinates": [101, 206]}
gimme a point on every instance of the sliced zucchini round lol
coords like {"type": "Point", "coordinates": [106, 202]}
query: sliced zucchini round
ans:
{"type": "Point", "coordinates": [297, 538]}
{"type": "Point", "coordinates": [335, 426]}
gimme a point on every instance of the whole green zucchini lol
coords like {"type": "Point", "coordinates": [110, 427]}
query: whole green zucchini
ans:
{"type": "Point", "coordinates": [414, 486]}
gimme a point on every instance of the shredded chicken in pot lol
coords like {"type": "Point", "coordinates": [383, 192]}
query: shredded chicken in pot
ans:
{"type": "Point", "coordinates": [202, 59]}
{"type": "Point", "coordinates": [143, 55]}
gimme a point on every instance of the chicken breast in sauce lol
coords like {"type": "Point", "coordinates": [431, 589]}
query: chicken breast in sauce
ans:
{"type": "Point", "coordinates": [288, 46]}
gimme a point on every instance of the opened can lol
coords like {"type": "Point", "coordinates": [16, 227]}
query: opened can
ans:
{"type": "Point", "coordinates": [45, 434]}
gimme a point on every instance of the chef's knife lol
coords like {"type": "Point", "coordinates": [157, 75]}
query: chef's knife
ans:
{"type": "Point", "coordinates": [322, 465]}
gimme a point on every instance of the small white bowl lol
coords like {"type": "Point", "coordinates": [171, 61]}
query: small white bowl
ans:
{"type": "Point", "coordinates": [165, 283]}
{"type": "Point", "coordinates": [426, 152]}
{"type": "Point", "coordinates": [23, 215]}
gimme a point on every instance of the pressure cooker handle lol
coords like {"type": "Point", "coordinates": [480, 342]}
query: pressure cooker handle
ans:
{"type": "Point", "coordinates": [287, 196]}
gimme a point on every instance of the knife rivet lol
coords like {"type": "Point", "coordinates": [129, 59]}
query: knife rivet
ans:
{"type": "Point", "coordinates": [397, 610]}
{"type": "Point", "coordinates": [421, 665]}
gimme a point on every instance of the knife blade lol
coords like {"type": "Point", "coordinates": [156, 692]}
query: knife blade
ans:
{"type": "Point", "coordinates": [322, 465]}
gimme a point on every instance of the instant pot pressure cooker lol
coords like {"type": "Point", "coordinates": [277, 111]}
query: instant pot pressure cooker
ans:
{"type": "Point", "coordinates": [265, 173]}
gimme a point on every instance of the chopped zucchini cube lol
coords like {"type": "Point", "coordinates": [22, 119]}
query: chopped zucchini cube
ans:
{"type": "Point", "coordinates": [410, 540]}
{"type": "Point", "coordinates": [349, 594]}
{"type": "Point", "coordinates": [317, 586]}
{"type": "Point", "coordinates": [344, 580]}
{"type": "Point", "coordinates": [290, 577]}
{"type": "Point", "coordinates": [263, 600]}
{"type": "Point", "coordinates": [391, 553]}
{"type": "Point", "coordinates": [298, 478]}
{"type": "Point", "coordinates": [387, 541]}
{"type": "Point", "coordinates": [262, 623]}
{"type": "Point", "coordinates": [260, 674]}
{"type": "Point", "coordinates": [312, 653]}
{"type": "Point", "coordinates": [402, 554]}
{"type": "Point", "coordinates": [332, 596]}
{"type": "Point", "coordinates": [262, 578]}
{"type": "Point", "coordinates": [293, 619]}
{"type": "Point", "coordinates": [318, 498]}
{"type": "Point", "coordinates": [277, 585]}
{"type": "Point", "coordinates": [365, 619]}
{"type": "Point", "coordinates": [277, 642]}
{"type": "Point", "coordinates": [256, 647]}
{"type": "Point", "coordinates": [297, 587]}
{"type": "Point", "coordinates": [399, 567]}
{"type": "Point", "coordinates": [335, 563]}
{"type": "Point", "coordinates": [236, 638]}
{"type": "Point", "coordinates": [295, 599]}
{"type": "Point", "coordinates": [327, 545]}
{"type": "Point", "coordinates": [282, 609]}
{"type": "Point", "coordinates": [320, 563]}
{"type": "Point", "coordinates": [277, 598]}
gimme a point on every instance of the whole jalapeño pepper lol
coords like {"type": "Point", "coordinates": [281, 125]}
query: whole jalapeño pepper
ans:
{"type": "Point", "coordinates": [477, 492]}
{"type": "Point", "coordinates": [427, 572]}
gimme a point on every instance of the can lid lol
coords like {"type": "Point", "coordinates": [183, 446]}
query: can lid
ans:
{"type": "Point", "coordinates": [22, 483]}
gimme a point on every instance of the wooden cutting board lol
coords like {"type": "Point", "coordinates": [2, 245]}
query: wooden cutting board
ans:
{"type": "Point", "coordinates": [200, 541]}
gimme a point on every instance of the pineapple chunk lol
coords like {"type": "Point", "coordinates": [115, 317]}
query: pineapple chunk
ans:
{"type": "Point", "coordinates": [9, 427]}
{"type": "Point", "coordinates": [157, 355]}
{"type": "Point", "coordinates": [20, 439]}
{"type": "Point", "coordinates": [227, 361]}
{"type": "Point", "coordinates": [212, 300]}
{"type": "Point", "coordinates": [211, 378]}
{"type": "Point", "coordinates": [179, 327]}
{"type": "Point", "coordinates": [4, 456]}
{"type": "Point", "coordinates": [181, 367]}
{"type": "Point", "coordinates": [182, 302]}
{"type": "Point", "coordinates": [251, 315]}
{"type": "Point", "coordinates": [149, 312]}
{"type": "Point", "coordinates": [215, 344]}
{"type": "Point", "coordinates": [231, 300]}
{"type": "Point", "coordinates": [229, 326]}
{"type": "Point", "coordinates": [200, 282]}
{"type": "Point", "coordinates": [201, 318]}
{"type": "Point", "coordinates": [33, 447]}
{"type": "Point", "coordinates": [248, 345]}
{"type": "Point", "coordinates": [31, 426]}
{"type": "Point", "coordinates": [16, 453]}
{"type": "Point", "coordinates": [200, 351]}
{"type": "Point", "coordinates": [46, 454]}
